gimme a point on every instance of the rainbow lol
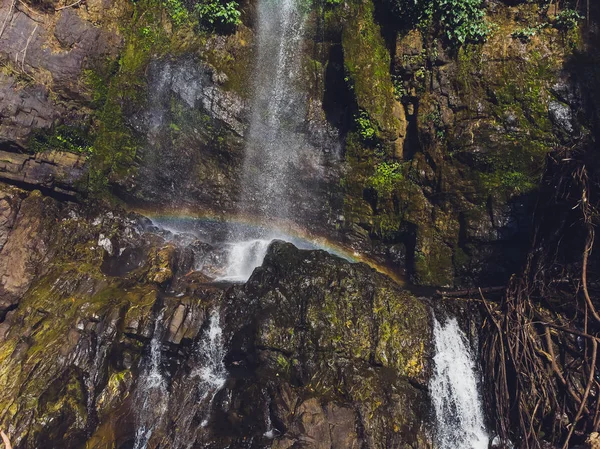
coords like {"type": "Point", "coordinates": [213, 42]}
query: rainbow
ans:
{"type": "Point", "coordinates": [285, 228]}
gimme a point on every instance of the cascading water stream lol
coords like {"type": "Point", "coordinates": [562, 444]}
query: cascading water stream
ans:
{"type": "Point", "coordinates": [204, 382]}
{"type": "Point", "coordinates": [211, 370]}
{"type": "Point", "coordinates": [151, 391]}
{"type": "Point", "coordinates": [458, 409]}
{"type": "Point", "coordinates": [276, 150]}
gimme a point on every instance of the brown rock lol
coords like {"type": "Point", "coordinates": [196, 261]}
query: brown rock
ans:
{"type": "Point", "coordinates": [54, 170]}
{"type": "Point", "coordinates": [25, 249]}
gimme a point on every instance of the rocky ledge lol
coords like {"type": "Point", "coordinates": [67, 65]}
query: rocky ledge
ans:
{"type": "Point", "coordinates": [52, 171]}
{"type": "Point", "coordinates": [317, 352]}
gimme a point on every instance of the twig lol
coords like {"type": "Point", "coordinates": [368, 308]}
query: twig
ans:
{"type": "Point", "coordinates": [40, 20]}
{"type": "Point", "coordinates": [8, 15]}
{"type": "Point", "coordinates": [68, 6]}
{"type": "Point", "coordinates": [27, 46]}
{"type": "Point", "coordinates": [471, 291]}
{"type": "Point", "coordinates": [589, 244]}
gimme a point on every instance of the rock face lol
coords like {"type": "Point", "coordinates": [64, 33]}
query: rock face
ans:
{"type": "Point", "coordinates": [429, 152]}
{"type": "Point", "coordinates": [50, 51]}
{"type": "Point", "coordinates": [316, 351]}
{"type": "Point", "coordinates": [54, 171]}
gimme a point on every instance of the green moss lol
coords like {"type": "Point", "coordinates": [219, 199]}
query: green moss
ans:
{"type": "Point", "coordinates": [367, 64]}
{"type": "Point", "coordinates": [71, 139]}
{"type": "Point", "coordinates": [119, 87]}
{"type": "Point", "coordinates": [517, 92]}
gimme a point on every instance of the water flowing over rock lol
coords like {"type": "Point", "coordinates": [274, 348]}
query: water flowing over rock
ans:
{"type": "Point", "coordinates": [243, 257]}
{"type": "Point", "coordinates": [277, 155]}
{"type": "Point", "coordinates": [459, 419]}
{"type": "Point", "coordinates": [150, 398]}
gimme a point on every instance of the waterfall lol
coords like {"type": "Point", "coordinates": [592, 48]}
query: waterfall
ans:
{"type": "Point", "coordinates": [211, 370]}
{"type": "Point", "coordinates": [453, 386]}
{"type": "Point", "coordinates": [151, 391]}
{"type": "Point", "coordinates": [204, 382]}
{"type": "Point", "coordinates": [243, 257]}
{"type": "Point", "coordinates": [280, 166]}
{"type": "Point", "coordinates": [274, 143]}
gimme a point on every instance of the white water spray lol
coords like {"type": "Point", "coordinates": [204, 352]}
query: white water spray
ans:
{"type": "Point", "coordinates": [151, 391]}
{"type": "Point", "coordinates": [453, 386]}
{"type": "Point", "coordinates": [243, 258]}
{"type": "Point", "coordinates": [205, 381]}
{"type": "Point", "coordinates": [211, 352]}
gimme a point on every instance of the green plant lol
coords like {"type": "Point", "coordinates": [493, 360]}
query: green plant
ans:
{"type": "Point", "coordinates": [63, 138]}
{"type": "Point", "coordinates": [386, 176]}
{"type": "Point", "coordinates": [399, 88]}
{"type": "Point", "coordinates": [524, 34]}
{"type": "Point", "coordinates": [365, 126]}
{"type": "Point", "coordinates": [177, 11]}
{"type": "Point", "coordinates": [567, 19]}
{"type": "Point", "coordinates": [435, 117]}
{"type": "Point", "coordinates": [460, 21]}
{"type": "Point", "coordinates": [216, 13]}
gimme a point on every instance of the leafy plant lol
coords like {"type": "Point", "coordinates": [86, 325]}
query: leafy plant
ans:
{"type": "Point", "coordinates": [386, 176]}
{"type": "Point", "coordinates": [567, 19]}
{"type": "Point", "coordinates": [64, 138]}
{"type": "Point", "coordinates": [365, 126]}
{"type": "Point", "coordinates": [177, 11]}
{"type": "Point", "coordinates": [399, 88]}
{"type": "Point", "coordinates": [460, 21]}
{"type": "Point", "coordinates": [216, 13]}
{"type": "Point", "coordinates": [524, 34]}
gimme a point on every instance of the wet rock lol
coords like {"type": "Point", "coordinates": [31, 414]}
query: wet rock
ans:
{"type": "Point", "coordinates": [25, 248]}
{"type": "Point", "coordinates": [561, 115]}
{"type": "Point", "coordinates": [333, 328]}
{"type": "Point", "coordinates": [196, 84]}
{"type": "Point", "coordinates": [80, 41]}
{"type": "Point", "coordinates": [321, 427]}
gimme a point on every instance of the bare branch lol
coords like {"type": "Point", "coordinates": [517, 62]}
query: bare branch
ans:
{"type": "Point", "coordinates": [5, 440]}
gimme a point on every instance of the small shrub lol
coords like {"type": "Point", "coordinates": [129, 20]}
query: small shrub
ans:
{"type": "Point", "coordinates": [177, 11]}
{"type": "Point", "coordinates": [365, 126]}
{"type": "Point", "coordinates": [216, 13]}
{"type": "Point", "coordinates": [386, 176]}
{"type": "Point", "coordinates": [64, 138]}
{"type": "Point", "coordinates": [460, 21]}
{"type": "Point", "coordinates": [567, 19]}
{"type": "Point", "coordinates": [524, 34]}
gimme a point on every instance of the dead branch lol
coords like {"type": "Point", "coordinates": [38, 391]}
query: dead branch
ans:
{"type": "Point", "coordinates": [30, 12]}
{"type": "Point", "coordinates": [589, 243]}
{"type": "Point", "coordinates": [5, 440]}
{"type": "Point", "coordinates": [24, 51]}
{"type": "Point", "coordinates": [470, 292]}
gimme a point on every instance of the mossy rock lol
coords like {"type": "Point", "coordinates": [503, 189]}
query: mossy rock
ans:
{"type": "Point", "coordinates": [367, 63]}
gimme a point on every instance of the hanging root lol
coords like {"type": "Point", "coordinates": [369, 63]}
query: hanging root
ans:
{"type": "Point", "coordinates": [541, 340]}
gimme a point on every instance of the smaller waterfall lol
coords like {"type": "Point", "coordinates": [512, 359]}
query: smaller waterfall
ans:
{"type": "Point", "coordinates": [151, 391]}
{"type": "Point", "coordinates": [203, 383]}
{"type": "Point", "coordinates": [211, 352]}
{"type": "Point", "coordinates": [243, 257]}
{"type": "Point", "coordinates": [458, 408]}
